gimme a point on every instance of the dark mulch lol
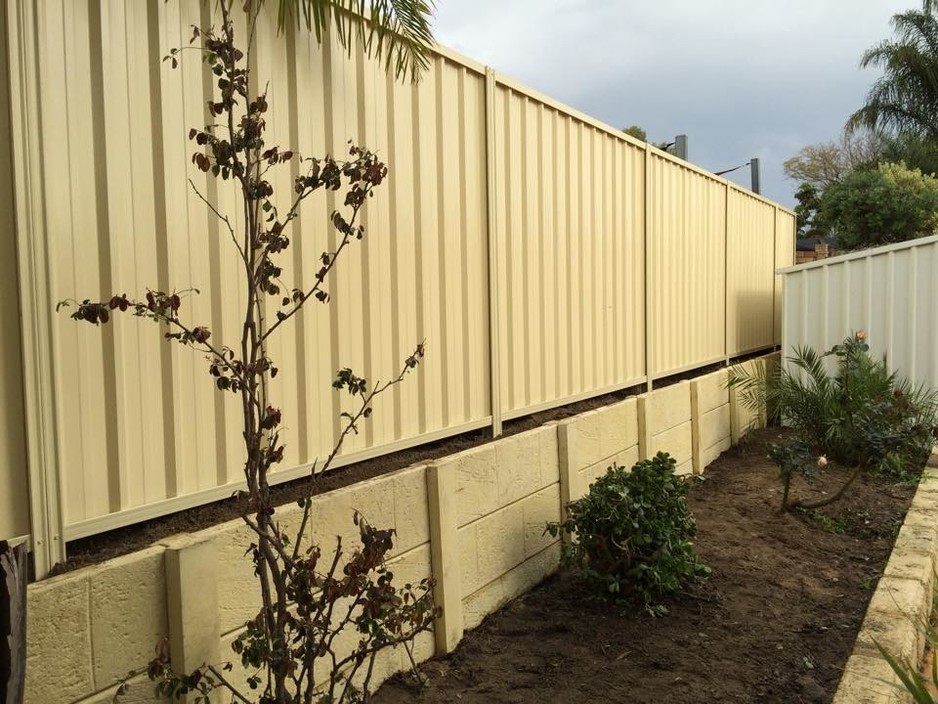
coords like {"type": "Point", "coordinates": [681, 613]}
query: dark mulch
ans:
{"type": "Point", "coordinates": [775, 622]}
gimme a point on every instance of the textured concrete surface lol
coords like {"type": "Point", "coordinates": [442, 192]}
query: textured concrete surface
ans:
{"type": "Point", "coordinates": [664, 425]}
{"type": "Point", "coordinates": [513, 583]}
{"type": "Point", "coordinates": [128, 613]}
{"type": "Point", "coordinates": [59, 658]}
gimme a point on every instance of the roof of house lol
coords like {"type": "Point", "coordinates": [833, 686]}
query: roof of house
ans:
{"type": "Point", "coordinates": [807, 244]}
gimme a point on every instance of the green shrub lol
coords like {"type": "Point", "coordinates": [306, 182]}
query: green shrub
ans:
{"type": "Point", "coordinates": [890, 203]}
{"type": "Point", "coordinates": [630, 536]}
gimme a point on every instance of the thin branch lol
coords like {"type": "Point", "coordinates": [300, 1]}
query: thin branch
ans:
{"type": "Point", "coordinates": [350, 426]}
{"type": "Point", "coordinates": [223, 218]}
{"type": "Point", "coordinates": [230, 687]}
{"type": "Point", "coordinates": [320, 278]}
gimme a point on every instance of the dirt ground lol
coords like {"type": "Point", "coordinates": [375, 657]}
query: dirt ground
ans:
{"type": "Point", "coordinates": [775, 622]}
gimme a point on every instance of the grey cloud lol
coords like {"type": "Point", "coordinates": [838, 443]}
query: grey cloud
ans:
{"type": "Point", "coordinates": [741, 78]}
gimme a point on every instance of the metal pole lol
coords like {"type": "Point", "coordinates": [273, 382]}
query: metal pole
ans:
{"type": "Point", "coordinates": [756, 173]}
{"type": "Point", "coordinates": [680, 146]}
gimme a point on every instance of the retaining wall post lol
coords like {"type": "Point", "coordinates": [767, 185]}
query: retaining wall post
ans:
{"type": "Point", "coordinates": [192, 602]}
{"type": "Point", "coordinates": [444, 557]}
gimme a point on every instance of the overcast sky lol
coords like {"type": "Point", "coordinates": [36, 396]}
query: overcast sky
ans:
{"type": "Point", "coordinates": [741, 78]}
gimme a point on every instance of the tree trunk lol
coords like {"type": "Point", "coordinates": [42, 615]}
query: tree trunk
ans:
{"type": "Point", "coordinates": [12, 623]}
{"type": "Point", "coordinates": [808, 505]}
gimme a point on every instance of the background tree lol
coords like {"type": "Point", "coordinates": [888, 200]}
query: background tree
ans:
{"type": "Point", "coordinates": [913, 150]}
{"type": "Point", "coordinates": [888, 147]}
{"type": "Point", "coordinates": [890, 203]}
{"type": "Point", "coordinates": [823, 165]}
{"type": "Point", "coordinates": [905, 98]}
{"type": "Point", "coordinates": [636, 131]}
{"type": "Point", "coordinates": [806, 212]}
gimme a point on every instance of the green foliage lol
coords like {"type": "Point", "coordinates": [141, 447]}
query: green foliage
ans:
{"type": "Point", "coordinates": [890, 203]}
{"type": "Point", "coordinates": [809, 203]}
{"type": "Point", "coordinates": [860, 415]}
{"type": "Point", "coordinates": [630, 536]}
{"type": "Point", "coordinates": [913, 150]}
{"type": "Point", "coordinates": [637, 132]}
{"type": "Point", "coordinates": [791, 457]}
{"type": "Point", "coordinates": [905, 98]}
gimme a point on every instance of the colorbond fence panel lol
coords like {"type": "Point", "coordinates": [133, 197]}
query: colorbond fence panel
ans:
{"type": "Point", "coordinates": [532, 247]}
{"type": "Point", "coordinates": [686, 267]}
{"type": "Point", "coordinates": [750, 281]}
{"type": "Point", "coordinates": [890, 292]}
{"type": "Point", "coordinates": [571, 255]}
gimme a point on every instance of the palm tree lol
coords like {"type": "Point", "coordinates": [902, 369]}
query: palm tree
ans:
{"type": "Point", "coordinates": [905, 99]}
{"type": "Point", "coordinates": [396, 31]}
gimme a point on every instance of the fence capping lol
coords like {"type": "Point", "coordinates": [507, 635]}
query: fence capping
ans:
{"type": "Point", "coordinates": [861, 254]}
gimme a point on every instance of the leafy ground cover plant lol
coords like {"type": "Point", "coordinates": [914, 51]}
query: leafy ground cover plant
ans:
{"type": "Point", "coordinates": [861, 415]}
{"type": "Point", "coordinates": [631, 535]}
{"type": "Point", "coordinates": [308, 598]}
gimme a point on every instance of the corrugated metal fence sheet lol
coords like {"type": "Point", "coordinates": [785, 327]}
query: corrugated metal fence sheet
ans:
{"type": "Point", "coordinates": [890, 292]}
{"type": "Point", "coordinates": [14, 500]}
{"type": "Point", "coordinates": [533, 248]}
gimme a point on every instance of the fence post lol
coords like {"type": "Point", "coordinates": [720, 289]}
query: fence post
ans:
{"type": "Point", "coordinates": [644, 407]}
{"type": "Point", "coordinates": [569, 469]}
{"type": "Point", "coordinates": [444, 556]}
{"type": "Point", "coordinates": [192, 602]}
{"type": "Point", "coordinates": [680, 146]}
{"type": "Point", "coordinates": [491, 191]}
{"type": "Point", "coordinates": [726, 274]}
{"type": "Point", "coordinates": [649, 350]}
{"type": "Point", "coordinates": [36, 307]}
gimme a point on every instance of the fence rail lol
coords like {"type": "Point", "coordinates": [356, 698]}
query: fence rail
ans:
{"type": "Point", "coordinates": [544, 257]}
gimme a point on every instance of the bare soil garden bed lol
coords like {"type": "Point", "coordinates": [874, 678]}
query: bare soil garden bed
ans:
{"type": "Point", "coordinates": [774, 622]}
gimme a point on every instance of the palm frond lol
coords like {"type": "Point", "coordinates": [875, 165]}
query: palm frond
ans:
{"type": "Point", "coordinates": [753, 385]}
{"type": "Point", "coordinates": [905, 98]}
{"type": "Point", "coordinates": [397, 32]}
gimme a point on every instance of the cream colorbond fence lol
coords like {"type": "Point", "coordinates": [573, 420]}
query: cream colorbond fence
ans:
{"type": "Point", "coordinates": [890, 292]}
{"type": "Point", "coordinates": [544, 257]}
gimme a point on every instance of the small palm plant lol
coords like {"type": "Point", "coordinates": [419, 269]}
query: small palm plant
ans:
{"type": "Point", "coordinates": [854, 412]}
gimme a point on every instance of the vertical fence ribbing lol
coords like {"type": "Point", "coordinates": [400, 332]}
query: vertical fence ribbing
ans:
{"type": "Point", "coordinates": [492, 240]}
{"type": "Point", "coordinates": [584, 166]}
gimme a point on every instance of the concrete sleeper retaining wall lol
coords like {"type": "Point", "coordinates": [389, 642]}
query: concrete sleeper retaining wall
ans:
{"type": "Point", "coordinates": [474, 520]}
